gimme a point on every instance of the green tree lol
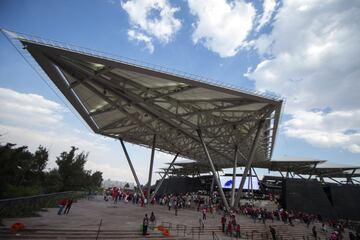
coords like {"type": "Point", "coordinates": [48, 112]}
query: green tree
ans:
{"type": "Point", "coordinates": [53, 181]}
{"type": "Point", "coordinates": [20, 170]}
{"type": "Point", "coordinates": [71, 169]}
{"type": "Point", "coordinates": [41, 158]}
{"type": "Point", "coordinates": [96, 179]}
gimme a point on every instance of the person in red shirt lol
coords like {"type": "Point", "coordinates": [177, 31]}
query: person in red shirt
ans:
{"type": "Point", "coordinates": [68, 206]}
{"type": "Point", "coordinates": [142, 202]}
{"type": "Point", "coordinates": [223, 222]}
{"type": "Point", "coordinates": [62, 204]}
{"type": "Point", "coordinates": [229, 228]}
{"type": "Point", "coordinates": [204, 214]}
{"type": "Point", "coordinates": [238, 233]}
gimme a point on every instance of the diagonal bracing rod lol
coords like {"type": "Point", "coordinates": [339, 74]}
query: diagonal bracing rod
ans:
{"type": "Point", "coordinates": [151, 169]}
{"type": "Point", "coordinates": [163, 177]}
{"type": "Point", "coordinates": [132, 168]}
{"type": "Point", "coordinates": [217, 180]}
{"type": "Point", "coordinates": [248, 165]}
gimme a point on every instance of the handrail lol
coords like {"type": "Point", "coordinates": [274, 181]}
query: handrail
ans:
{"type": "Point", "coordinates": [181, 227]}
{"type": "Point", "coordinates": [35, 196]}
{"type": "Point", "coordinates": [215, 237]}
{"type": "Point", "coordinates": [98, 231]}
{"type": "Point", "coordinates": [26, 206]}
{"type": "Point", "coordinates": [194, 232]}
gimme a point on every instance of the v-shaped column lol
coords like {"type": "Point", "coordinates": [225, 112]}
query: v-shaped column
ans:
{"type": "Point", "coordinates": [151, 169]}
{"type": "Point", "coordinates": [213, 170]}
{"type": "Point", "coordinates": [232, 199]}
{"type": "Point", "coordinates": [250, 160]}
{"type": "Point", "coordinates": [132, 169]}
{"type": "Point", "coordinates": [164, 176]}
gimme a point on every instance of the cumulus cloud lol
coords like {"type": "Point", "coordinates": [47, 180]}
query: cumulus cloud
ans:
{"type": "Point", "coordinates": [222, 26]}
{"type": "Point", "coordinates": [268, 10]}
{"type": "Point", "coordinates": [323, 129]}
{"type": "Point", "coordinates": [311, 58]}
{"type": "Point", "coordinates": [151, 19]}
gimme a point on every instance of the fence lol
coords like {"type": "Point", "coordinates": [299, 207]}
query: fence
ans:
{"type": "Point", "coordinates": [27, 206]}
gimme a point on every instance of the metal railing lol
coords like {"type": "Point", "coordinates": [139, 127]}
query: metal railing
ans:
{"type": "Point", "coordinates": [167, 225]}
{"type": "Point", "coordinates": [27, 206]}
{"type": "Point", "coordinates": [98, 231]}
{"type": "Point", "coordinates": [181, 228]}
{"type": "Point", "coordinates": [215, 237]}
{"type": "Point", "coordinates": [196, 231]}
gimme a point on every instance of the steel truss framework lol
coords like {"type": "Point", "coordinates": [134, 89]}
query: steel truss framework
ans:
{"type": "Point", "coordinates": [135, 103]}
{"type": "Point", "coordinates": [311, 168]}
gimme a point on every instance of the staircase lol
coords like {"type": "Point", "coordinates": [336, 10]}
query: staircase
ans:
{"type": "Point", "coordinates": [38, 233]}
{"type": "Point", "coordinates": [260, 231]}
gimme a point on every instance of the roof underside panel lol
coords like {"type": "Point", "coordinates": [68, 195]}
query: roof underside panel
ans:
{"type": "Point", "coordinates": [121, 100]}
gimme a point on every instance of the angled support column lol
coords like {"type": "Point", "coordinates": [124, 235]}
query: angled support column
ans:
{"type": "Point", "coordinates": [257, 177]}
{"type": "Point", "coordinates": [248, 165]}
{"type": "Point", "coordinates": [132, 168]}
{"type": "Point", "coordinates": [232, 200]}
{"type": "Point", "coordinates": [164, 176]}
{"type": "Point", "coordinates": [281, 174]}
{"type": "Point", "coordinates": [335, 180]}
{"type": "Point", "coordinates": [251, 182]}
{"type": "Point", "coordinates": [217, 180]}
{"type": "Point", "coordinates": [349, 179]}
{"type": "Point", "coordinates": [356, 180]}
{"type": "Point", "coordinates": [151, 169]}
{"type": "Point", "coordinates": [212, 185]}
{"type": "Point", "coordinates": [312, 170]}
{"type": "Point", "coordinates": [300, 176]}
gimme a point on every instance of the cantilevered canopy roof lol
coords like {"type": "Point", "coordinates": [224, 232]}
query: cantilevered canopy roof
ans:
{"type": "Point", "coordinates": [328, 169]}
{"type": "Point", "coordinates": [125, 100]}
{"type": "Point", "coordinates": [189, 168]}
{"type": "Point", "coordinates": [291, 164]}
{"type": "Point", "coordinates": [353, 173]}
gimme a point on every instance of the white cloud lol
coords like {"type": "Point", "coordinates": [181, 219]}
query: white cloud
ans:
{"type": "Point", "coordinates": [311, 57]}
{"type": "Point", "coordinates": [32, 108]}
{"type": "Point", "coordinates": [322, 129]}
{"type": "Point", "coordinates": [151, 18]}
{"type": "Point", "coordinates": [30, 119]}
{"type": "Point", "coordinates": [110, 171]}
{"type": "Point", "coordinates": [138, 36]}
{"type": "Point", "coordinates": [222, 26]}
{"type": "Point", "coordinates": [33, 120]}
{"type": "Point", "coordinates": [268, 10]}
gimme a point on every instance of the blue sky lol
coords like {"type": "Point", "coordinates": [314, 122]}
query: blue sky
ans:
{"type": "Point", "coordinates": [306, 51]}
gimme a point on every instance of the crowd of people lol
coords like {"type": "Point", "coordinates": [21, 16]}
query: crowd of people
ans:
{"type": "Point", "coordinates": [211, 204]}
{"type": "Point", "coordinates": [290, 217]}
{"type": "Point", "coordinates": [230, 226]}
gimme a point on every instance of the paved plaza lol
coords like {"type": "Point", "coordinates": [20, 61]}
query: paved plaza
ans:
{"type": "Point", "coordinates": [86, 214]}
{"type": "Point", "coordinates": [126, 218]}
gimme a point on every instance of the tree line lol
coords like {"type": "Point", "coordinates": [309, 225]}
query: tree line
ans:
{"type": "Point", "coordinates": [23, 173]}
